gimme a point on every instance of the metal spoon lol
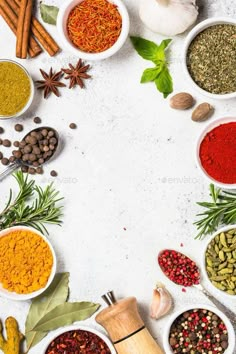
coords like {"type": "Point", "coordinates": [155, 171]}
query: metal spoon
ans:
{"type": "Point", "coordinates": [230, 314]}
{"type": "Point", "coordinates": [18, 163]}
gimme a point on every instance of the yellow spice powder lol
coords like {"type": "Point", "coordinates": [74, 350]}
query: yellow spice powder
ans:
{"type": "Point", "coordinates": [15, 89]}
{"type": "Point", "coordinates": [25, 261]}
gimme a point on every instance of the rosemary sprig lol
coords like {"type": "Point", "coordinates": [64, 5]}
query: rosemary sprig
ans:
{"type": "Point", "coordinates": [221, 211]}
{"type": "Point", "coordinates": [32, 206]}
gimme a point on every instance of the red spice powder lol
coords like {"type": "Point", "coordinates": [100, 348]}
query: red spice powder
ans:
{"type": "Point", "coordinates": [218, 153]}
{"type": "Point", "coordinates": [179, 268]}
{"type": "Point", "coordinates": [94, 25]}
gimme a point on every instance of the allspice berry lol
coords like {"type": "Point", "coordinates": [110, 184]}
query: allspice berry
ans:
{"type": "Point", "coordinates": [18, 127]}
{"type": "Point", "coordinates": [5, 161]}
{"type": "Point", "coordinates": [37, 120]}
{"type": "Point", "coordinates": [53, 173]}
{"type": "Point", "coordinates": [6, 143]}
{"type": "Point", "coordinates": [73, 126]}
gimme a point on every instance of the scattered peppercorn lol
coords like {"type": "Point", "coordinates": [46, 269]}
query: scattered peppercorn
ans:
{"type": "Point", "coordinates": [1, 155]}
{"type": "Point", "coordinates": [73, 126]}
{"type": "Point", "coordinates": [1, 130]}
{"type": "Point", "coordinates": [19, 127]}
{"type": "Point", "coordinates": [179, 268]}
{"type": "Point", "coordinates": [0, 141]}
{"type": "Point", "coordinates": [12, 159]}
{"type": "Point", "coordinates": [78, 341]}
{"type": "Point", "coordinates": [198, 331]}
{"type": "Point", "coordinates": [53, 173]}
{"type": "Point", "coordinates": [6, 143]}
{"type": "Point", "coordinates": [5, 161]}
{"type": "Point", "coordinates": [37, 120]}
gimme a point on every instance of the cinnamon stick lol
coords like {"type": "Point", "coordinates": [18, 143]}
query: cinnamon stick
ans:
{"type": "Point", "coordinates": [11, 19]}
{"type": "Point", "coordinates": [44, 38]}
{"type": "Point", "coordinates": [23, 28]}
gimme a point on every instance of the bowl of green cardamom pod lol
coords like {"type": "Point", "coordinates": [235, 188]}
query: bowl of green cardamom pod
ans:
{"type": "Point", "coordinates": [210, 57]}
{"type": "Point", "coordinates": [219, 261]}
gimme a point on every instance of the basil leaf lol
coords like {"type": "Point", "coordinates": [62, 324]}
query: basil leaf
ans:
{"type": "Point", "coordinates": [160, 55]}
{"type": "Point", "coordinates": [55, 295]}
{"type": "Point", "coordinates": [151, 73]}
{"type": "Point", "coordinates": [146, 49]}
{"type": "Point", "coordinates": [66, 314]}
{"type": "Point", "coordinates": [49, 14]}
{"type": "Point", "coordinates": [164, 82]}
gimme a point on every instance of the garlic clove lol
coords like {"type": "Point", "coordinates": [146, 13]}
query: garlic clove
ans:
{"type": "Point", "coordinates": [168, 17]}
{"type": "Point", "coordinates": [161, 302]}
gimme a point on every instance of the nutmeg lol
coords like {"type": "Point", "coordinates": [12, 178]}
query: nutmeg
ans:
{"type": "Point", "coordinates": [182, 101]}
{"type": "Point", "coordinates": [202, 112]}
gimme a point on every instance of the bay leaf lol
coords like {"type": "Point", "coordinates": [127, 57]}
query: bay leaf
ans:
{"type": "Point", "coordinates": [49, 13]}
{"type": "Point", "coordinates": [56, 294]}
{"type": "Point", "coordinates": [66, 314]}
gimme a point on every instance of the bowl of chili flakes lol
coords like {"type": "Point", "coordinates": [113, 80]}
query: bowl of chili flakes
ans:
{"type": "Point", "coordinates": [78, 339]}
{"type": "Point", "coordinates": [93, 29]}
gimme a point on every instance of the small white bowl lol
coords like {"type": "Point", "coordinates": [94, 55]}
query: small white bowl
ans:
{"type": "Point", "coordinates": [190, 37]}
{"type": "Point", "coordinates": [204, 272]}
{"type": "Point", "coordinates": [63, 14]}
{"type": "Point", "coordinates": [60, 331]}
{"type": "Point", "coordinates": [206, 130]}
{"type": "Point", "coordinates": [231, 333]}
{"type": "Point", "coordinates": [23, 297]}
{"type": "Point", "coordinates": [28, 104]}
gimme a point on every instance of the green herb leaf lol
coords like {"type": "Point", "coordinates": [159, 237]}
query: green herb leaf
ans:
{"type": "Point", "coordinates": [66, 314]}
{"type": "Point", "coordinates": [55, 295]}
{"type": "Point", "coordinates": [22, 211]}
{"type": "Point", "coordinates": [164, 82]}
{"type": "Point", "coordinates": [160, 55]}
{"type": "Point", "coordinates": [49, 13]}
{"type": "Point", "coordinates": [146, 49]}
{"type": "Point", "coordinates": [151, 73]}
{"type": "Point", "coordinates": [220, 211]}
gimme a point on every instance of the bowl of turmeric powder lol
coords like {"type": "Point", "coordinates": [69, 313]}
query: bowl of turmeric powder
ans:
{"type": "Point", "coordinates": [27, 263]}
{"type": "Point", "coordinates": [16, 89]}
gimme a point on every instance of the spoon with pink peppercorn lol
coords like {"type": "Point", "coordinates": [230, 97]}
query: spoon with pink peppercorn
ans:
{"type": "Point", "coordinates": [183, 271]}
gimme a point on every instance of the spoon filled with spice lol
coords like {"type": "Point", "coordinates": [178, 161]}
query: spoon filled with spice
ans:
{"type": "Point", "coordinates": [34, 150]}
{"type": "Point", "coordinates": [183, 271]}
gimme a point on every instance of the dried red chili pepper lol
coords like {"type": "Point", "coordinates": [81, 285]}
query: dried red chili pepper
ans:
{"type": "Point", "coordinates": [179, 268]}
{"type": "Point", "coordinates": [78, 342]}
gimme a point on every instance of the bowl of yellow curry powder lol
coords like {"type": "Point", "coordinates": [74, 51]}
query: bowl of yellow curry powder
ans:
{"type": "Point", "coordinates": [27, 263]}
{"type": "Point", "coordinates": [16, 89]}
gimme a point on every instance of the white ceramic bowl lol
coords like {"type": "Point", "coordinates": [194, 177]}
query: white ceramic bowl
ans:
{"type": "Point", "coordinates": [63, 14]}
{"type": "Point", "coordinates": [206, 130]}
{"type": "Point", "coordinates": [60, 331]}
{"type": "Point", "coordinates": [204, 272]}
{"type": "Point", "coordinates": [28, 104]}
{"type": "Point", "coordinates": [231, 333]}
{"type": "Point", "coordinates": [23, 297]}
{"type": "Point", "coordinates": [190, 37]}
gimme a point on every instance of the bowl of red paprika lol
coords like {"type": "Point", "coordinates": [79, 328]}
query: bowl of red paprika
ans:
{"type": "Point", "coordinates": [93, 29]}
{"type": "Point", "coordinates": [216, 152]}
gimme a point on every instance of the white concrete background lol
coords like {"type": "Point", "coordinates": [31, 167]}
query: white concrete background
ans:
{"type": "Point", "coordinates": [130, 164]}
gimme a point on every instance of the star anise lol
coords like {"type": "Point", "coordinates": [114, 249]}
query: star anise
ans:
{"type": "Point", "coordinates": [77, 74]}
{"type": "Point", "coordinates": [50, 83]}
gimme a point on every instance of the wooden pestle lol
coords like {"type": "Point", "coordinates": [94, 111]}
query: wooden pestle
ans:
{"type": "Point", "coordinates": [126, 328]}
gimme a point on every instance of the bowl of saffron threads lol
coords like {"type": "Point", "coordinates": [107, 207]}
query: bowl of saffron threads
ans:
{"type": "Point", "coordinates": [216, 153]}
{"type": "Point", "coordinates": [93, 29]}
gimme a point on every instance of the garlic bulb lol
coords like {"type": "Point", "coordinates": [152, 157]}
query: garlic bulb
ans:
{"type": "Point", "coordinates": [161, 302]}
{"type": "Point", "coordinates": [168, 17]}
